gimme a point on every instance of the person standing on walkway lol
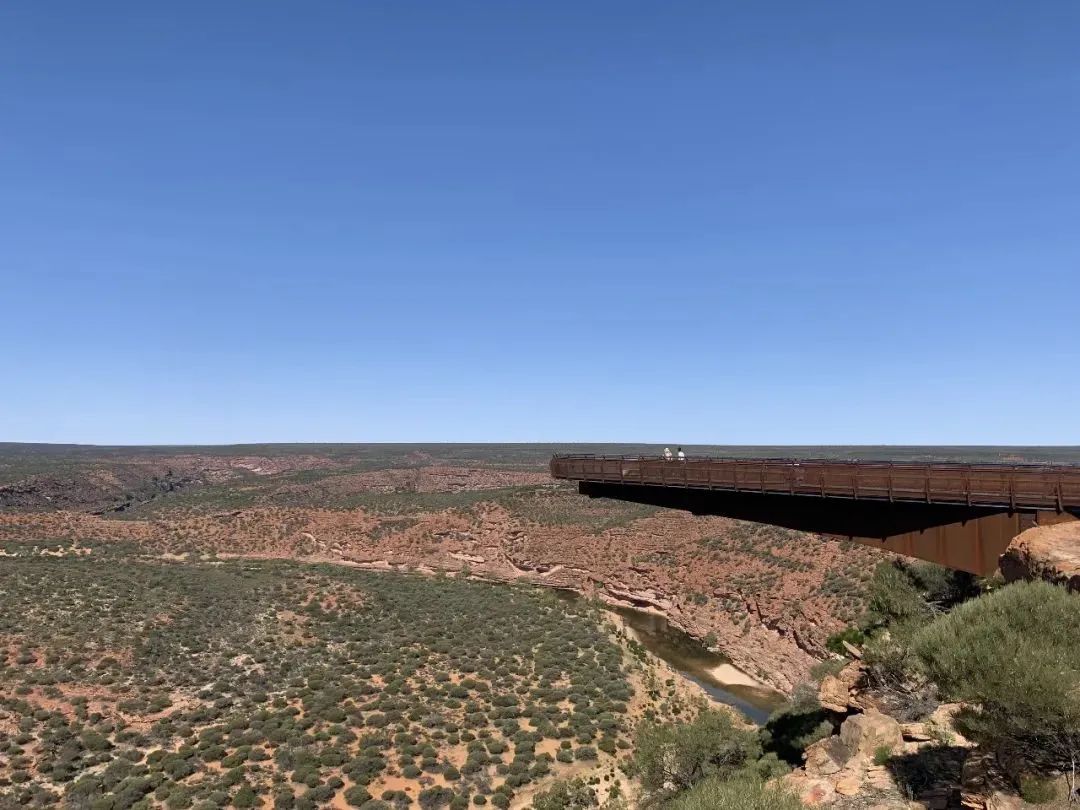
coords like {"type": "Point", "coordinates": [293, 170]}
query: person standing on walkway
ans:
{"type": "Point", "coordinates": [682, 455]}
{"type": "Point", "coordinates": [667, 454]}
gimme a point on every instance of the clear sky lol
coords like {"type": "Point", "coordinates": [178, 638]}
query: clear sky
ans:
{"type": "Point", "coordinates": [774, 222]}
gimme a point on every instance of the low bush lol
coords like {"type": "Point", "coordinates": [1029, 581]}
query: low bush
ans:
{"type": "Point", "coordinates": [1038, 790]}
{"type": "Point", "coordinates": [736, 794]}
{"type": "Point", "coordinates": [573, 794]}
{"type": "Point", "coordinates": [852, 635]}
{"type": "Point", "coordinates": [674, 757]}
{"type": "Point", "coordinates": [1013, 657]}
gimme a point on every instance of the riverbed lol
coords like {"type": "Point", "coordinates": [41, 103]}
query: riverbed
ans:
{"type": "Point", "coordinates": [711, 671]}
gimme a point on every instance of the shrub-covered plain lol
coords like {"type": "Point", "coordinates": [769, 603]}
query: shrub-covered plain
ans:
{"type": "Point", "coordinates": [144, 683]}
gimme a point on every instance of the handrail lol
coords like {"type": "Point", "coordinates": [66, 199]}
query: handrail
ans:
{"type": "Point", "coordinates": [1045, 466]}
{"type": "Point", "coordinates": [1011, 486]}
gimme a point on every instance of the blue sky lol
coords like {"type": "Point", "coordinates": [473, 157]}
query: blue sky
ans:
{"type": "Point", "coordinates": [686, 222]}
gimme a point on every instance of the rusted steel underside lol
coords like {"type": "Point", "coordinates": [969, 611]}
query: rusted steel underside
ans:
{"type": "Point", "coordinates": [958, 515]}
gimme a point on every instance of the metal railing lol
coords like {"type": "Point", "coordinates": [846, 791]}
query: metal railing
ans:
{"type": "Point", "coordinates": [1015, 486]}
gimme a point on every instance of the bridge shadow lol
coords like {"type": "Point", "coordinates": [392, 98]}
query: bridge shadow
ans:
{"type": "Point", "coordinates": [862, 518]}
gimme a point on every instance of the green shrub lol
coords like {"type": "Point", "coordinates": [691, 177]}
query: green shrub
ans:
{"type": "Point", "coordinates": [356, 796]}
{"type": "Point", "coordinates": [941, 586]}
{"type": "Point", "coordinates": [830, 666]}
{"type": "Point", "coordinates": [433, 797]}
{"type": "Point", "coordinates": [894, 597]}
{"type": "Point", "coordinates": [736, 794]}
{"type": "Point", "coordinates": [852, 635]}
{"type": "Point", "coordinates": [902, 592]}
{"type": "Point", "coordinates": [1038, 790]}
{"type": "Point", "coordinates": [1013, 656]}
{"type": "Point", "coordinates": [890, 659]}
{"type": "Point", "coordinates": [573, 794]}
{"type": "Point", "coordinates": [93, 741]}
{"type": "Point", "coordinates": [245, 797]}
{"type": "Point", "coordinates": [679, 756]}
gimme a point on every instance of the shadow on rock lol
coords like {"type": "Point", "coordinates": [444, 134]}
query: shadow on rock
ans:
{"type": "Point", "coordinates": [932, 775]}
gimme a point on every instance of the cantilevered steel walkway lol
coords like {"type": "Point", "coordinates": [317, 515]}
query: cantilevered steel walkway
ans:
{"type": "Point", "coordinates": [959, 515]}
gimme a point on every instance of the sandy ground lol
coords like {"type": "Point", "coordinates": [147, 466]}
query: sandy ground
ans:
{"type": "Point", "coordinates": [728, 675]}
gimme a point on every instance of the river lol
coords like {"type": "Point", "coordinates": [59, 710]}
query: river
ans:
{"type": "Point", "coordinates": [692, 660]}
{"type": "Point", "coordinates": [695, 662]}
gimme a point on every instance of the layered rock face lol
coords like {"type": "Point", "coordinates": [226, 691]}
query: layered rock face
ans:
{"type": "Point", "coordinates": [1045, 552]}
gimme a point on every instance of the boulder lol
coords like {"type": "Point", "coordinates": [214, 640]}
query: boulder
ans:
{"type": "Point", "coordinates": [942, 725]}
{"type": "Point", "coordinates": [1045, 552]}
{"type": "Point", "coordinates": [849, 785]}
{"type": "Point", "coordinates": [835, 692]}
{"type": "Point", "coordinates": [863, 734]}
{"type": "Point", "coordinates": [825, 757]}
{"type": "Point", "coordinates": [814, 792]}
{"type": "Point", "coordinates": [862, 701]}
{"type": "Point", "coordinates": [879, 778]}
{"type": "Point", "coordinates": [833, 695]}
{"type": "Point", "coordinates": [853, 651]}
{"type": "Point", "coordinates": [916, 732]}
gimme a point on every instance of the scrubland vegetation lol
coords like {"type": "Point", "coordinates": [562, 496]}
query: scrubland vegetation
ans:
{"type": "Point", "coordinates": [709, 762]}
{"type": "Point", "coordinates": [136, 683]}
{"type": "Point", "coordinates": [130, 681]}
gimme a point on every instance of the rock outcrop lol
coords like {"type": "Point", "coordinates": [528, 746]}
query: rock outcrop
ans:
{"type": "Point", "coordinates": [836, 692]}
{"type": "Point", "coordinates": [863, 734]}
{"type": "Point", "coordinates": [1045, 552]}
{"type": "Point", "coordinates": [844, 764]}
{"type": "Point", "coordinates": [869, 761]}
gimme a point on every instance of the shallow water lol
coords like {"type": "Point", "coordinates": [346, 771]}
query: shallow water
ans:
{"type": "Point", "coordinates": [693, 661]}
